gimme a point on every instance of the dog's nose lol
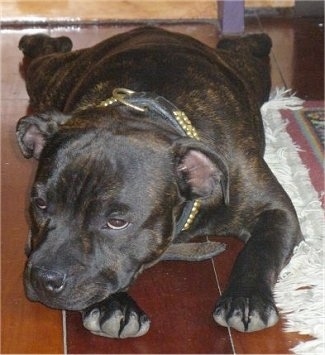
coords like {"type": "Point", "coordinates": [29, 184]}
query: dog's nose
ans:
{"type": "Point", "coordinates": [50, 280]}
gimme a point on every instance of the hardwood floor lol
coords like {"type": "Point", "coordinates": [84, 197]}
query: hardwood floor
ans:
{"type": "Point", "coordinates": [178, 296]}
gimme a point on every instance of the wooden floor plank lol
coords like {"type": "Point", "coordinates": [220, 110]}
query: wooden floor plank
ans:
{"type": "Point", "coordinates": [299, 52]}
{"type": "Point", "coordinates": [25, 327]}
{"type": "Point", "coordinates": [87, 10]}
{"type": "Point", "coordinates": [179, 298]}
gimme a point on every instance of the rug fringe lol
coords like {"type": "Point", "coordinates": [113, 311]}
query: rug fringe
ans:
{"type": "Point", "coordinates": [282, 99]}
{"type": "Point", "coordinates": [299, 292]}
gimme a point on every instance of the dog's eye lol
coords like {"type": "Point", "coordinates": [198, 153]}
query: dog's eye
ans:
{"type": "Point", "coordinates": [116, 223]}
{"type": "Point", "coordinates": [40, 203]}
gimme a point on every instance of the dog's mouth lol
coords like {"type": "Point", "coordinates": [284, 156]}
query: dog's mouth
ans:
{"type": "Point", "coordinates": [56, 290]}
{"type": "Point", "coordinates": [66, 302]}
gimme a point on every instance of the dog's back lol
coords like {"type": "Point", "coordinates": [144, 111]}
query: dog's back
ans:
{"type": "Point", "coordinates": [232, 79]}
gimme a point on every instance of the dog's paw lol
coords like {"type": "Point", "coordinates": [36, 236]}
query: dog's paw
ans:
{"type": "Point", "coordinates": [116, 317]}
{"type": "Point", "coordinates": [246, 314]}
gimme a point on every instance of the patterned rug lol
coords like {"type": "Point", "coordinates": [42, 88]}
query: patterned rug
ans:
{"type": "Point", "coordinates": [307, 127]}
{"type": "Point", "coordinates": [315, 114]}
{"type": "Point", "coordinates": [298, 165]}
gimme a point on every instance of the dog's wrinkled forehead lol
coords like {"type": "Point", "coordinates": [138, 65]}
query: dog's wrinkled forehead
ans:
{"type": "Point", "coordinates": [100, 166]}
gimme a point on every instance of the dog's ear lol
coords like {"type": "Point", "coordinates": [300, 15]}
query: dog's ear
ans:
{"type": "Point", "coordinates": [201, 173]}
{"type": "Point", "coordinates": [33, 131]}
{"type": "Point", "coordinates": [40, 44]}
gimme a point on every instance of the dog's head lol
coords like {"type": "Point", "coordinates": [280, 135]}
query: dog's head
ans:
{"type": "Point", "coordinates": [105, 200]}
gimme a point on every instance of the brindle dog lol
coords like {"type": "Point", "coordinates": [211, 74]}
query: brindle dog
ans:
{"type": "Point", "coordinates": [125, 181]}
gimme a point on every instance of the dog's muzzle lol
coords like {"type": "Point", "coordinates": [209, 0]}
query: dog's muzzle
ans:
{"type": "Point", "coordinates": [47, 281]}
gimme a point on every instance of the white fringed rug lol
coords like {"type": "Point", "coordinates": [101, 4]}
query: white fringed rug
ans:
{"type": "Point", "coordinates": [299, 292]}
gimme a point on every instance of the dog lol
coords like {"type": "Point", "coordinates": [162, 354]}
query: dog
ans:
{"type": "Point", "coordinates": [146, 141]}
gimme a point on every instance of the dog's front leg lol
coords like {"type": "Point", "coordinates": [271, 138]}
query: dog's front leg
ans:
{"type": "Point", "coordinates": [247, 304]}
{"type": "Point", "coordinates": [118, 316]}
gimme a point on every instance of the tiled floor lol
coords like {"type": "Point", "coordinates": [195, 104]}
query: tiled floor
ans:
{"type": "Point", "coordinates": [178, 296]}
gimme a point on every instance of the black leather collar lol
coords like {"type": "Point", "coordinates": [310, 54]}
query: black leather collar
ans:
{"type": "Point", "coordinates": [160, 108]}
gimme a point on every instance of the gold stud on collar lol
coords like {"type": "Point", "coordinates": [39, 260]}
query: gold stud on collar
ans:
{"type": "Point", "coordinates": [193, 213]}
{"type": "Point", "coordinates": [186, 124]}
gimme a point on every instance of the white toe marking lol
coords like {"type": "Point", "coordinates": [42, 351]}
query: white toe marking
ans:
{"type": "Point", "coordinates": [254, 320]}
{"type": "Point", "coordinates": [135, 327]}
{"type": "Point", "coordinates": [131, 329]}
{"type": "Point", "coordinates": [220, 318]}
{"type": "Point", "coordinates": [111, 327]}
{"type": "Point", "coordinates": [91, 321]}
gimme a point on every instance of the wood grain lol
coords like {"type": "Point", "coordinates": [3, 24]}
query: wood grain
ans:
{"type": "Point", "coordinates": [86, 10]}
